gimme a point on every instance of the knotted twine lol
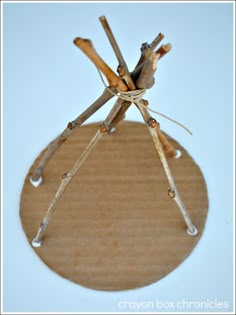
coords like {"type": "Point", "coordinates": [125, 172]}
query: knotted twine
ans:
{"type": "Point", "coordinates": [136, 96]}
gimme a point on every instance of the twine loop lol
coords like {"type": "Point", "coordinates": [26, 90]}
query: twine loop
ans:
{"type": "Point", "coordinates": [132, 96]}
{"type": "Point", "coordinates": [136, 97]}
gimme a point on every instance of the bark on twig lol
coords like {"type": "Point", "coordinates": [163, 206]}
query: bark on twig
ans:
{"type": "Point", "coordinates": [164, 49]}
{"type": "Point", "coordinates": [146, 77]}
{"type": "Point", "coordinates": [66, 178]}
{"type": "Point", "coordinates": [120, 115]}
{"type": "Point", "coordinates": [146, 49]}
{"type": "Point", "coordinates": [127, 78]}
{"type": "Point", "coordinates": [71, 127]}
{"type": "Point", "coordinates": [113, 42]}
{"type": "Point", "coordinates": [146, 52]}
{"type": "Point", "coordinates": [113, 79]}
{"type": "Point", "coordinates": [137, 82]}
{"type": "Point", "coordinates": [119, 56]}
{"type": "Point", "coordinates": [173, 192]}
{"type": "Point", "coordinates": [156, 41]}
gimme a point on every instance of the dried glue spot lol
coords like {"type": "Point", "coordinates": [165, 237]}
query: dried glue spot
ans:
{"type": "Point", "coordinates": [178, 154]}
{"type": "Point", "coordinates": [112, 130]}
{"type": "Point", "coordinates": [36, 183]}
{"type": "Point", "coordinates": [193, 232]}
{"type": "Point", "coordinates": [36, 243]}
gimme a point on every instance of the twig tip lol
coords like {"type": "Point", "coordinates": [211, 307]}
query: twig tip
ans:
{"type": "Point", "coordinates": [102, 18]}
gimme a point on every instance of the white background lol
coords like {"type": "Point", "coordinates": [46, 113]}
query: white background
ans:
{"type": "Point", "coordinates": [47, 82]}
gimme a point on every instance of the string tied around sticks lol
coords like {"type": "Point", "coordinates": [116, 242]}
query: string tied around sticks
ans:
{"type": "Point", "coordinates": [136, 97]}
{"type": "Point", "coordinates": [131, 96]}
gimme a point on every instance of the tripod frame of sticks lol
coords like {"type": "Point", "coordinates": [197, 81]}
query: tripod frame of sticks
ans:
{"type": "Point", "coordinates": [129, 88]}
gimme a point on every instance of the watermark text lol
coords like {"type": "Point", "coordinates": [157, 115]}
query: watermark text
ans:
{"type": "Point", "coordinates": [183, 304]}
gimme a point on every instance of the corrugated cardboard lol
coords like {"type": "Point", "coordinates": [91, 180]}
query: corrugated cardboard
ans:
{"type": "Point", "coordinates": [115, 227]}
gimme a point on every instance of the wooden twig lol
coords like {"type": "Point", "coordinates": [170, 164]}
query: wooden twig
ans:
{"type": "Point", "coordinates": [164, 49]}
{"type": "Point", "coordinates": [167, 146]}
{"type": "Point", "coordinates": [113, 42]}
{"type": "Point", "coordinates": [130, 89]}
{"type": "Point", "coordinates": [71, 127]}
{"type": "Point", "coordinates": [172, 192]}
{"type": "Point", "coordinates": [66, 178]}
{"type": "Point", "coordinates": [145, 66]}
{"type": "Point", "coordinates": [156, 41]}
{"type": "Point", "coordinates": [114, 111]}
{"type": "Point", "coordinates": [122, 68]}
{"type": "Point", "coordinates": [147, 50]}
{"type": "Point", "coordinates": [146, 53]}
{"type": "Point", "coordinates": [127, 78]}
{"type": "Point", "coordinates": [120, 115]}
{"type": "Point", "coordinates": [146, 77]}
{"type": "Point", "coordinates": [113, 79]}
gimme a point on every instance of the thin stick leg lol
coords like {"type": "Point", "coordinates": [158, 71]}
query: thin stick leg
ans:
{"type": "Point", "coordinates": [168, 147]}
{"type": "Point", "coordinates": [172, 192]}
{"type": "Point", "coordinates": [127, 78]}
{"type": "Point", "coordinates": [66, 178]}
{"type": "Point", "coordinates": [36, 177]}
{"type": "Point", "coordinates": [119, 116]}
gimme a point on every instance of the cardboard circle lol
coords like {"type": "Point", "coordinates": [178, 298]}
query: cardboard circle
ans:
{"type": "Point", "coordinates": [115, 228]}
